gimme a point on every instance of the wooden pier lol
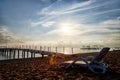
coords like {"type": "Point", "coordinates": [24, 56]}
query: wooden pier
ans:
{"type": "Point", "coordinates": [31, 51]}
{"type": "Point", "coordinates": [16, 53]}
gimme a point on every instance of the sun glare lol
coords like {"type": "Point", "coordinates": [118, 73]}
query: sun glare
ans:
{"type": "Point", "coordinates": [66, 28]}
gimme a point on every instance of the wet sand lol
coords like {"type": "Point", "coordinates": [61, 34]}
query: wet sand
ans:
{"type": "Point", "coordinates": [41, 69]}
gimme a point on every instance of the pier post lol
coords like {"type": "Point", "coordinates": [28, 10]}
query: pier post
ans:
{"type": "Point", "coordinates": [3, 51]}
{"type": "Point", "coordinates": [42, 56]}
{"type": "Point", "coordinates": [18, 54]}
{"type": "Point", "coordinates": [7, 53]}
{"type": "Point", "coordinates": [24, 53]}
{"type": "Point", "coordinates": [42, 53]}
{"type": "Point", "coordinates": [27, 53]}
{"type": "Point", "coordinates": [10, 54]}
{"type": "Point", "coordinates": [32, 53]}
{"type": "Point", "coordinates": [13, 54]}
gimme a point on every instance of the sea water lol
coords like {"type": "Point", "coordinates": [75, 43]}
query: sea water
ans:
{"type": "Point", "coordinates": [3, 57]}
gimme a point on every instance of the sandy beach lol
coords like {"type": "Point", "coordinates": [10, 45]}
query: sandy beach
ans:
{"type": "Point", "coordinates": [41, 69]}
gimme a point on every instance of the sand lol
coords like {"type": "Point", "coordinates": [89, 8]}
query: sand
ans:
{"type": "Point", "coordinates": [41, 69]}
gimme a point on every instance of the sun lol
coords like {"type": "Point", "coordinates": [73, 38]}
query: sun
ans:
{"type": "Point", "coordinates": [66, 28]}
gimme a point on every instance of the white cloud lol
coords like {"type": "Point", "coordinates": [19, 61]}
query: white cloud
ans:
{"type": "Point", "coordinates": [112, 22]}
{"type": "Point", "coordinates": [43, 23]}
{"type": "Point", "coordinates": [48, 12]}
{"type": "Point", "coordinates": [6, 36]}
{"type": "Point", "coordinates": [48, 24]}
{"type": "Point", "coordinates": [33, 24]}
{"type": "Point", "coordinates": [52, 10]}
{"type": "Point", "coordinates": [113, 25]}
{"type": "Point", "coordinates": [4, 31]}
{"type": "Point", "coordinates": [63, 9]}
{"type": "Point", "coordinates": [55, 11]}
{"type": "Point", "coordinates": [107, 11]}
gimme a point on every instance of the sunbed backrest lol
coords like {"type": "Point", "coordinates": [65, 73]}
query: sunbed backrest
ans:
{"type": "Point", "coordinates": [101, 54]}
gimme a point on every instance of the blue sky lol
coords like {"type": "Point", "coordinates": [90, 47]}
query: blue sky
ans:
{"type": "Point", "coordinates": [54, 21]}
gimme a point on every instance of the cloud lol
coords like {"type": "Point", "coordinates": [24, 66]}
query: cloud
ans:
{"type": "Point", "coordinates": [66, 8]}
{"type": "Point", "coordinates": [107, 11]}
{"type": "Point", "coordinates": [48, 24]}
{"type": "Point", "coordinates": [108, 32]}
{"type": "Point", "coordinates": [43, 23]}
{"type": "Point", "coordinates": [111, 22]}
{"type": "Point", "coordinates": [118, 18]}
{"type": "Point", "coordinates": [57, 9]}
{"type": "Point", "coordinates": [6, 36]}
{"type": "Point", "coordinates": [63, 8]}
{"type": "Point", "coordinates": [46, 10]}
{"type": "Point", "coordinates": [106, 27]}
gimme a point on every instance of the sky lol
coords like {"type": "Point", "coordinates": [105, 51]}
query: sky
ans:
{"type": "Point", "coordinates": [80, 22]}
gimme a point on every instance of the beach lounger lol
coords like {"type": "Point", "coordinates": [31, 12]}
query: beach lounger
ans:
{"type": "Point", "coordinates": [96, 65]}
